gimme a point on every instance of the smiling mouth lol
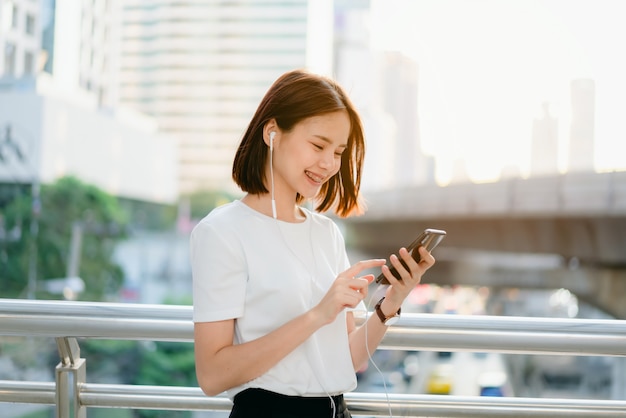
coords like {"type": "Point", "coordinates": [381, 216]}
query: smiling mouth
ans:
{"type": "Point", "coordinates": [314, 177]}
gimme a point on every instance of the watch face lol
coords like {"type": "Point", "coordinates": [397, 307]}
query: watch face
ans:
{"type": "Point", "coordinates": [392, 320]}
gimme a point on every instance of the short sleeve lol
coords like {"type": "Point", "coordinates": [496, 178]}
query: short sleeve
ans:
{"type": "Point", "coordinates": [343, 262]}
{"type": "Point", "coordinates": [219, 274]}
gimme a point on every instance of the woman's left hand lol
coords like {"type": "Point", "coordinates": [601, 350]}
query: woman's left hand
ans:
{"type": "Point", "coordinates": [362, 343]}
{"type": "Point", "coordinates": [410, 277]}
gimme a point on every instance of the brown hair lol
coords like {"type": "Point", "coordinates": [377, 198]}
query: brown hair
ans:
{"type": "Point", "coordinates": [293, 97]}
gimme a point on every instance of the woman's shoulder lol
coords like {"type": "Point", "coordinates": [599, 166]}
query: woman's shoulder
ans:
{"type": "Point", "coordinates": [222, 216]}
{"type": "Point", "coordinates": [226, 210]}
{"type": "Point", "coordinates": [321, 219]}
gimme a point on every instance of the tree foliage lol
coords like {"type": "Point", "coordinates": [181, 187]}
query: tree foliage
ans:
{"type": "Point", "coordinates": [63, 204]}
{"type": "Point", "coordinates": [203, 202]}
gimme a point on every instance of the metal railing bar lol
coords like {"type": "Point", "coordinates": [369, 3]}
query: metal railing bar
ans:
{"type": "Point", "coordinates": [373, 404]}
{"type": "Point", "coordinates": [27, 392]}
{"type": "Point", "coordinates": [160, 397]}
{"type": "Point", "coordinates": [96, 327]}
{"type": "Point", "coordinates": [151, 397]}
{"type": "Point", "coordinates": [414, 332]}
{"type": "Point", "coordinates": [405, 405]}
{"type": "Point", "coordinates": [508, 323]}
{"type": "Point", "coordinates": [511, 342]}
{"type": "Point", "coordinates": [423, 321]}
{"type": "Point", "coordinates": [107, 309]}
{"type": "Point", "coordinates": [62, 320]}
{"type": "Point", "coordinates": [398, 337]}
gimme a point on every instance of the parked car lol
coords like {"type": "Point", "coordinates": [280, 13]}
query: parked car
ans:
{"type": "Point", "coordinates": [492, 384]}
{"type": "Point", "coordinates": [440, 379]}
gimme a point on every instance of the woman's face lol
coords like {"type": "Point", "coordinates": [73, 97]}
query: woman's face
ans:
{"type": "Point", "coordinates": [310, 154]}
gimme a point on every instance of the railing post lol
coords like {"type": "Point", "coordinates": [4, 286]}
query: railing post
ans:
{"type": "Point", "coordinates": [70, 375]}
{"type": "Point", "coordinates": [619, 379]}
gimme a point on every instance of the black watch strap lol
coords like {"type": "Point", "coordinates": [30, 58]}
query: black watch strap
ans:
{"type": "Point", "coordinates": [387, 320]}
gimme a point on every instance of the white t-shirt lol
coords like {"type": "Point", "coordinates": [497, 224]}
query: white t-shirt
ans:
{"type": "Point", "coordinates": [264, 272]}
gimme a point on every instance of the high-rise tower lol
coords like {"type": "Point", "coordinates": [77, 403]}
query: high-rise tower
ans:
{"type": "Point", "coordinates": [399, 80]}
{"type": "Point", "coordinates": [201, 67]}
{"type": "Point", "coordinates": [20, 38]}
{"type": "Point", "coordinates": [581, 144]}
{"type": "Point", "coordinates": [545, 144]}
{"type": "Point", "coordinates": [81, 42]}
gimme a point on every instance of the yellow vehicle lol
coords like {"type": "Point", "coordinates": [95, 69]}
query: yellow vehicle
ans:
{"type": "Point", "coordinates": [439, 380]}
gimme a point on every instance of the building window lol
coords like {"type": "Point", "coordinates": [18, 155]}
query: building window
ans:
{"type": "Point", "coordinates": [9, 59]}
{"type": "Point", "coordinates": [29, 63]}
{"type": "Point", "coordinates": [9, 16]}
{"type": "Point", "coordinates": [30, 24]}
{"type": "Point", "coordinates": [14, 14]}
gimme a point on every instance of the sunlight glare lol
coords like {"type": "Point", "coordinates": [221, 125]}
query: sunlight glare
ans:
{"type": "Point", "coordinates": [486, 67]}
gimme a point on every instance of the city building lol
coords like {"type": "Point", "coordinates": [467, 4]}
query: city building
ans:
{"type": "Point", "coordinates": [384, 87]}
{"type": "Point", "coordinates": [20, 38]}
{"type": "Point", "coordinates": [544, 157]}
{"type": "Point", "coordinates": [57, 104]}
{"type": "Point", "coordinates": [582, 127]}
{"type": "Point", "coordinates": [399, 93]}
{"type": "Point", "coordinates": [355, 68]}
{"type": "Point", "coordinates": [200, 68]}
{"type": "Point", "coordinates": [52, 134]}
{"type": "Point", "coordinates": [80, 43]}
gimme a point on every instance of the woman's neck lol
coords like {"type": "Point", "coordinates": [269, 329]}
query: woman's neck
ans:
{"type": "Point", "coordinates": [286, 210]}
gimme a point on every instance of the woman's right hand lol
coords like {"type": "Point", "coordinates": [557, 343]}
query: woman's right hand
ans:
{"type": "Point", "coordinates": [347, 290]}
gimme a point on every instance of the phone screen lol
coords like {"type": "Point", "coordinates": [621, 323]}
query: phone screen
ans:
{"type": "Point", "coordinates": [429, 238]}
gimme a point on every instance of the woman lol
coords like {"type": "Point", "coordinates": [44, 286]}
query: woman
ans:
{"type": "Point", "coordinates": [273, 289]}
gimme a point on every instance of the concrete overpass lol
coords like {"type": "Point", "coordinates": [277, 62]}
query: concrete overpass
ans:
{"type": "Point", "coordinates": [565, 230]}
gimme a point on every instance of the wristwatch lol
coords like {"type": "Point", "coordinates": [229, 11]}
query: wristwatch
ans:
{"type": "Point", "coordinates": [387, 320]}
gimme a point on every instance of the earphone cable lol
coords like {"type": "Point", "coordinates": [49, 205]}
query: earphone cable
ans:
{"type": "Point", "coordinates": [319, 354]}
{"type": "Point", "coordinates": [369, 354]}
{"type": "Point", "coordinates": [315, 268]}
{"type": "Point", "coordinates": [272, 173]}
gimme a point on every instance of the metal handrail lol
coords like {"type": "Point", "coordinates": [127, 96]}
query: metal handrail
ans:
{"type": "Point", "coordinates": [372, 404]}
{"type": "Point", "coordinates": [516, 335]}
{"type": "Point", "coordinates": [62, 320]}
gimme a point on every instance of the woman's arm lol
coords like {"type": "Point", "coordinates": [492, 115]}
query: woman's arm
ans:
{"type": "Point", "coordinates": [221, 365]}
{"type": "Point", "coordinates": [374, 330]}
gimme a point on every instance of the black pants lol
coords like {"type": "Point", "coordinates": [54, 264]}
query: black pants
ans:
{"type": "Point", "coordinates": [260, 403]}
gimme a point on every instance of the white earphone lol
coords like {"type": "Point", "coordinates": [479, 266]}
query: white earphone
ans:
{"type": "Point", "coordinates": [272, 135]}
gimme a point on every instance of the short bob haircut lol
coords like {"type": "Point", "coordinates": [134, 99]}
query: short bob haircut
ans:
{"type": "Point", "coordinates": [295, 96]}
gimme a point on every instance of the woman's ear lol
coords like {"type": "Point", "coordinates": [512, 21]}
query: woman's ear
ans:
{"type": "Point", "coordinates": [269, 132]}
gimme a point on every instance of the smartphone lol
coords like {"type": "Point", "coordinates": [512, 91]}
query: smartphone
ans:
{"type": "Point", "coordinates": [429, 238]}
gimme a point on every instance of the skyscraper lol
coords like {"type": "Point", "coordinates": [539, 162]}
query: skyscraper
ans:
{"type": "Point", "coordinates": [545, 144]}
{"type": "Point", "coordinates": [62, 120]}
{"type": "Point", "coordinates": [399, 80]}
{"type": "Point", "coordinates": [384, 86]}
{"type": "Point", "coordinates": [20, 38]}
{"type": "Point", "coordinates": [81, 45]}
{"type": "Point", "coordinates": [582, 128]}
{"type": "Point", "coordinates": [200, 68]}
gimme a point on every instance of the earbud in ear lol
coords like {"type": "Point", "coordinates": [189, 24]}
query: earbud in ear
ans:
{"type": "Point", "coordinates": [272, 135]}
